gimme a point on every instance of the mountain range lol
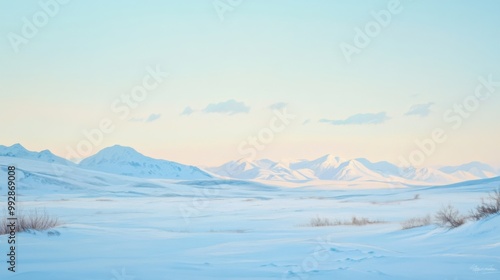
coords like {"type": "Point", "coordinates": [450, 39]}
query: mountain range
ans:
{"type": "Point", "coordinates": [116, 160]}
{"type": "Point", "coordinates": [127, 161]}
{"type": "Point", "coordinates": [332, 168]}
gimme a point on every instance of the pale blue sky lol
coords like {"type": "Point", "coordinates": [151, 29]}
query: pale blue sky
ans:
{"type": "Point", "coordinates": [429, 57]}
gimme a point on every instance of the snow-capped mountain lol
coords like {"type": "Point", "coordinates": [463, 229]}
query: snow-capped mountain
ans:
{"type": "Point", "coordinates": [432, 175]}
{"type": "Point", "coordinates": [127, 161]}
{"type": "Point", "coordinates": [327, 167]}
{"type": "Point", "coordinates": [18, 151]}
{"type": "Point", "coordinates": [260, 169]}
{"type": "Point", "coordinates": [475, 168]}
{"type": "Point", "coordinates": [322, 168]}
{"type": "Point", "coordinates": [333, 168]}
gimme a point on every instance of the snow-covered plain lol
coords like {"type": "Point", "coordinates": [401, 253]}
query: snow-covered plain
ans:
{"type": "Point", "coordinates": [119, 227]}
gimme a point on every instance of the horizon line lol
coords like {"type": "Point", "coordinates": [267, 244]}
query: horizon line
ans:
{"type": "Point", "coordinates": [292, 160]}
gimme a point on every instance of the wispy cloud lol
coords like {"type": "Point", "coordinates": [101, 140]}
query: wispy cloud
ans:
{"type": "Point", "coordinates": [422, 110]}
{"type": "Point", "coordinates": [229, 107]}
{"type": "Point", "coordinates": [368, 118]}
{"type": "Point", "coordinates": [151, 118]}
{"type": "Point", "coordinates": [278, 106]}
{"type": "Point", "coordinates": [187, 111]}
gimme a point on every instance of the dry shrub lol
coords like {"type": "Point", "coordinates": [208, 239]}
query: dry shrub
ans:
{"type": "Point", "coordinates": [417, 222]}
{"type": "Point", "coordinates": [449, 217]}
{"type": "Point", "coordinates": [489, 206]}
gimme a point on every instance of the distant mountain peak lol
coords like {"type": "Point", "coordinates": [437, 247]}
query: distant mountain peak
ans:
{"type": "Point", "coordinates": [124, 160]}
{"type": "Point", "coordinates": [19, 151]}
{"type": "Point", "coordinates": [243, 161]}
{"type": "Point", "coordinates": [478, 169]}
{"type": "Point", "coordinates": [16, 148]}
{"type": "Point", "coordinates": [329, 158]}
{"type": "Point", "coordinates": [118, 149]}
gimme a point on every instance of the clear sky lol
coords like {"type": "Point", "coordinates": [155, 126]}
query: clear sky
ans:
{"type": "Point", "coordinates": [230, 69]}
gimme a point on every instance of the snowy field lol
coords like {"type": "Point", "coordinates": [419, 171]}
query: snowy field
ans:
{"type": "Point", "coordinates": [122, 228]}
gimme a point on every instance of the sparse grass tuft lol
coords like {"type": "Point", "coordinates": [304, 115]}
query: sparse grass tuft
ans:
{"type": "Point", "coordinates": [417, 222]}
{"type": "Point", "coordinates": [323, 222]}
{"type": "Point", "coordinates": [34, 220]}
{"type": "Point", "coordinates": [355, 221]}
